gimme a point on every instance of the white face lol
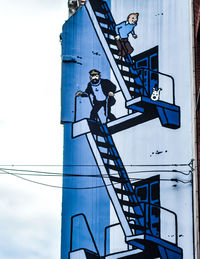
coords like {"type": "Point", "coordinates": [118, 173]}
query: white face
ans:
{"type": "Point", "coordinates": [132, 19]}
{"type": "Point", "coordinates": [94, 79]}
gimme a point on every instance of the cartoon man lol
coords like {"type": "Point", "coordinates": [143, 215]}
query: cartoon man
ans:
{"type": "Point", "coordinates": [123, 30]}
{"type": "Point", "coordinates": [102, 91]}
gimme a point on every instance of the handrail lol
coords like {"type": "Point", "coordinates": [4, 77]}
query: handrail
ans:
{"type": "Point", "coordinates": [112, 27]}
{"type": "Point", "coordinates": [105, 235]}
{"type": "Point", "coordinates": [161, 73]}
{"type": "Point", "coordinates": [75, 108]}
{"type": "Point", "coordinates": [75, 105]}
{"type": "Point", "coordinates": [88, 227]}
{"type": "Point", "coordinates": [170, 211]}
{"type": "Point", "coordinates": [153, 205]}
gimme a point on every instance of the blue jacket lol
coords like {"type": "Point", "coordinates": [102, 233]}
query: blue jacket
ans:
{"type": "Point", "coordinates": [123, 29]}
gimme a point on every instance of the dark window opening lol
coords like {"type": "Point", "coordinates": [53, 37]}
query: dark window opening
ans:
{"type": "Point", "coordinates": [155, 212]}
{"type": "Point", "coordinates": [142, 63]}
{"type": "Point", "coordinates": [154, 62]}
{"type": "Point", "coordinates": [142, 193]}
{"type": "Point", "coordinates": [155, 192]}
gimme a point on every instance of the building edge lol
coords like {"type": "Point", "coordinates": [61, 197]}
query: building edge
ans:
{"type": "Point", "coordinates": [196, 122]}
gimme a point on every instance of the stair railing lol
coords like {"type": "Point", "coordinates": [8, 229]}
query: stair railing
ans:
{"type": "Point", "coordinates": [90, 99]}
{"type": "Point", "coordinates": [75, 108]}
{"type": "Point", "coordinates": [165, 209]}
{"type": "Point", "coordinates": [88, 228]}
{"type": "Point", "coordinates": [105, 237]}
{"type": "Point", "coordinates": [163, 74]}
{"type": "Point", "coordinates": [111, 25]}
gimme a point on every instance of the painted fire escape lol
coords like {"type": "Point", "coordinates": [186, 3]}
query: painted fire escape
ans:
{"type": "Point", "coordinates": [139, 217]}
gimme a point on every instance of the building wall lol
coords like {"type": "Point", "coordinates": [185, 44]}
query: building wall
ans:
{"type": "Point", "coordinates": [79, 45]}
{"type": "Point", "coordinates": [162, 151]}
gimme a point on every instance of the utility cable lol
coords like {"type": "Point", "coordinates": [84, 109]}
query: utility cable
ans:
{"type": "Point", "coordinates": [84, 188]}
{"type": "Point", "coordinates": [37, 173]}
{"type": "Point", "coordinates": [92, 165]}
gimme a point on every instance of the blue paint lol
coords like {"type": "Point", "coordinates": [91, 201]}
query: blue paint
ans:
{"type": "Point", "coordinates": [93, 203]}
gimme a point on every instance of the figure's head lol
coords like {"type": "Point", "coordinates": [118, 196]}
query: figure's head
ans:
{"type": "Point", "coordinates": [132, 18]}
{"type": "Point", "coordinates": [95, 76]}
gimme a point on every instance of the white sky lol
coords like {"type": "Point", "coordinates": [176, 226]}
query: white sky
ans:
{"type": "Point", "coordinates": [30, 130]}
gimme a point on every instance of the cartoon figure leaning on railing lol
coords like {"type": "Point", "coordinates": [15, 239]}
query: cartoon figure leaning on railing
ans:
{"type": "Point", "coordinates": [123, 30]}
{"type": "Point", "coordinates": [102, 91]}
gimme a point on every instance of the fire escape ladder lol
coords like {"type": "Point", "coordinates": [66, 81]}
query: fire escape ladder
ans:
{"type": "Point", "coordinates": [124, 69]}
{"type": "Point", "coordinates": [119, 187]}
{"type": "Point", "coordinates": [131, 78]}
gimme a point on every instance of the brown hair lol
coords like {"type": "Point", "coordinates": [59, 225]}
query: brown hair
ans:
{"type": "Point", "coordinates": [135, 14]}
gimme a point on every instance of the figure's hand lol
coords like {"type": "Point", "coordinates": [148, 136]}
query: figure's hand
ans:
{"type": "Point", "coordinates": [135, 36]}
{"type": "Point", "coordinates": [79, 93]}
{"type": "Point", "coordinates": [110, 94]}
{"type": "Point", "coordinates": [117, 37]}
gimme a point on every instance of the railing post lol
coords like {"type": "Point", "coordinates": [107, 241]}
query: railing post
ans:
{"type": "Point", "coordinates": [105, 235]}
{"type": "Point", "coordinates": [163, 74]}
{"type": "Point", "coordinates": [88, 227]}
{"type": "Point", "coordinates": [75, 107]}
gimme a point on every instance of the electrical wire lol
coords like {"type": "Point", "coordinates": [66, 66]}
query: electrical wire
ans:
{"type": "Point", "coordinates": [84, 188]}
{"type": "Point", "coordinates": [92, 165]}
{"type": "Point", "coordinates": [37, 173]}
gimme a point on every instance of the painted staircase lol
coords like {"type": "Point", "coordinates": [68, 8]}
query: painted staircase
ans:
{"type": "Point", "coordinates": [130, 78]}
{"type": "Point", "coordinates": [129, 210]}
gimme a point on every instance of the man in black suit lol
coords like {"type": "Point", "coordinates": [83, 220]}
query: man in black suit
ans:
{"type": "Point", "coordinates": [102, 91]}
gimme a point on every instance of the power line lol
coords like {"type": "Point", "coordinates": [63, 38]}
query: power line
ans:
{"type": "Point", "coordinates": [85, 188]}
{"type": "Point", "coordinates": [92, 165]}
{"type": "Point", "coordinates": [45, 173]}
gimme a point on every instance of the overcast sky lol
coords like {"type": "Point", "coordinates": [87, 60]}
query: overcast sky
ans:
{"type": "Point", "coordinates": [30, 130]}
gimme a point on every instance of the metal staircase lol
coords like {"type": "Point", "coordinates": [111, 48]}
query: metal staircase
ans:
{"type": "Point", "coordinates": [136, 86]}
{"type": "Point", "coordinates": [131, 212]}
{"type": "Point", "coordinates": [131, 78]}
{"type": "Point", "coordinates": [104, 24]}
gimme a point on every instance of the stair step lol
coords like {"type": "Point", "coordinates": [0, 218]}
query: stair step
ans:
{"type": "Point", "coordinates": [132, 215]}
{"type": "Point", "coordinates": [94, 127]}
{"type": "Point", "coordinates": [102, 20]}
{"type": "Point", "coordinates": [97, 7]}
{"type": "Point", "coordinates": [123, 192]}
{"type": "Point", "coordinates": [117, 179]}
{"type": "Point", "coordinates": [103, 144]}
{"type": "Point", "coordinates": [113, 167]}
{"type": "Point", "coordinates": [109, 31]}
{"type": "Point", "coordinates": [123, 63]}
{"type": "Point", "coordinates": [133, 84]}
{"type": "Point", "coordinates": [111, 41]}
{"type": "Point", "coordinates": [114, 51]}
{"type": "Point", "coordinates": [129, 74]}
{"type": "Point", "coordinates": [137, 227]}
{"type": "Point", "coordinates": [108, 156]}
{"type": "Point", "coordinates": [126, 203]}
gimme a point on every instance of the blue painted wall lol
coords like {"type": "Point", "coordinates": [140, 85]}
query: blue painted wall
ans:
{"type": "Point", "coordinates": [80, 42]}
{"type": "Point", "coordinates": [160, 24]}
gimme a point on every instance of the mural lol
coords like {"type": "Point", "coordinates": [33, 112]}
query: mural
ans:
{"type": "Point", "coordinates": [102, 91]}
{"type": "Point", "coordinates": [126, 98]}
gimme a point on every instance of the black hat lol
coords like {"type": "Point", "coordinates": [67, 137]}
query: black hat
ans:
{"type": "Point", "coordinates": [94, 72]}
